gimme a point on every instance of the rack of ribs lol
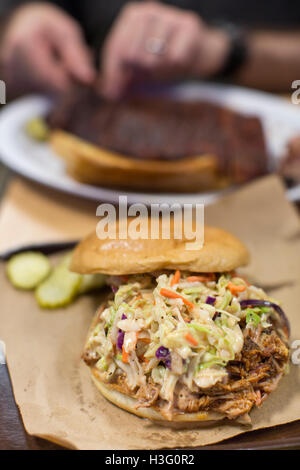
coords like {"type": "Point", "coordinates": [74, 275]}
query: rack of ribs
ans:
{"type": "Point", "coordinates": [158, 128]}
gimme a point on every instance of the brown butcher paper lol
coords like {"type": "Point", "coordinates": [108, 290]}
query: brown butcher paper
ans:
{"type": "Point", "coordinates": [52, 386]}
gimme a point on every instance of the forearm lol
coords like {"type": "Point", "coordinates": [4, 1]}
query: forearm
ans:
{"type": "Point", "coordinates": [273, 61]}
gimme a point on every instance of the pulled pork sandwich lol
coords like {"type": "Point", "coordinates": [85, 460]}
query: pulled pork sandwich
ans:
{"type": "Point", "coordinates": [182, 338]}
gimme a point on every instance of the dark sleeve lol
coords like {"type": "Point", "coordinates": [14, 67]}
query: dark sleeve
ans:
{"type": "Point", "coordinates": [7, 6]}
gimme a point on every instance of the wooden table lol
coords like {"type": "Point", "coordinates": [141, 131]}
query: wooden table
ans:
{"type": "Point", "coordinates": [14, 436]}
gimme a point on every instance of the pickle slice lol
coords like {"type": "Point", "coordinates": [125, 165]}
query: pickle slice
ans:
{"type": "Point", "coordinates": [91, 282]}
{"type": "Point", "coordinates": [59, 289]}
{"type": "Point", "coordinates": [66, 259]}
{"type": "Point", "coordinates": [37, 129]}
{"type": "Point", "coordinates": [27, 270]}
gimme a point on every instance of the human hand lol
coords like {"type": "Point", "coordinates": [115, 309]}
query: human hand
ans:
{"type": "Point", "coordinates": [43, 49]}
{"type": "Point", "coordinates": [159, 42]}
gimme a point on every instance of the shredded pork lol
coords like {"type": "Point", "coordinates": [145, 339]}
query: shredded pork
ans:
{"type": "Point", "coordinates": [253, 375]}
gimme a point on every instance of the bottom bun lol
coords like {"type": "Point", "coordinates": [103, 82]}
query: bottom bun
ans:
{"type": "Point", "coordinates": [90, 164]}
{"type": "Point", "coordinates": [130, 404]}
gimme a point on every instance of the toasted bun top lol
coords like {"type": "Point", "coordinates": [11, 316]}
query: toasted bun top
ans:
{"type": "Point", "coordinates": [221, 252]}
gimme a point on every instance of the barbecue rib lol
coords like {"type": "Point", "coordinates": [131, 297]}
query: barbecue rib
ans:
{"type": "Point", "coordinates": [159, 129]}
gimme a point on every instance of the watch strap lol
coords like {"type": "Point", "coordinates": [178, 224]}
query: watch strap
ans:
{"type": "Point", "coordinates": [238, 51]}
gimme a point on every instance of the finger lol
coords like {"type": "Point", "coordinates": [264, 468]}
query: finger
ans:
{"type": "Point", "coordinates": [118, 59]}
{"type": "Point", "coordinates": [75, 55]}
{"type": "Point", "coordinates": [154, 45]}
{"type": "Point", "coordinates": [116, 75]}
{"type": "Point", "coordinates": [127, 59]}
{"type": "Point", "coordinates": [181, 52]}
{"type": "Point", "coordinates": [45, 69]}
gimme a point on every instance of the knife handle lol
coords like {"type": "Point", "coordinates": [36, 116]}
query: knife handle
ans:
{"type": "Point", "coordinates": [45, 248]}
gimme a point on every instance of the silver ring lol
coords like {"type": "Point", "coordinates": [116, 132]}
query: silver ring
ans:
{"type": "Point", "coordinates": [155, 45]}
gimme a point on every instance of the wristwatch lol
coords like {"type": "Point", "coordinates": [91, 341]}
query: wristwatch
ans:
{"type": "Point", "coordinates": [238, 51]}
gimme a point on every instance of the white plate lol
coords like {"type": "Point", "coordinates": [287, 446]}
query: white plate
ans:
{"type": "Point", "coordinates": [281, 121]}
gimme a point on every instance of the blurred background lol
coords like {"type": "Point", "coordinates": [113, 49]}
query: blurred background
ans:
{"type": "Point", "coordinates": [50, 47]}
{"type": "Point", "coordinates": [47, 45]}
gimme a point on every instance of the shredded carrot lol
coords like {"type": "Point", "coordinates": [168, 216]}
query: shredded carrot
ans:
{"type": "Point", "coordinates": [173, 295]}
{"type": "Point", "coordinates": [145, 359]}
{"type": "Point", "coordinates": [175, 278]}
{"type": "Point", "coordinates": [191, 339]}
{"type": "Point", "coordinates": [234, 289]}
{"type": "Point", "coordinates": [145, 340]}
{"type": "Point", "coordinates": [124, 355]}
{"type": "Point", "coordinates": [204, 278]}
{"type": "Point", "coordinates": [135, 299]}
